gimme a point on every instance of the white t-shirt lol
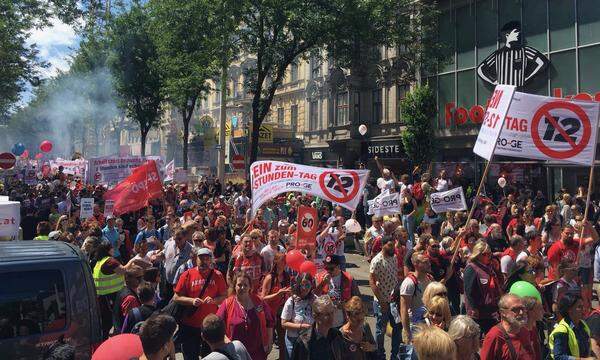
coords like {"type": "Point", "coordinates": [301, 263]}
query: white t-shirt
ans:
{"type": "Point", "coordinates": [507, 264]}
{"type": "Point", "coordinates": [328, 245]}
{"type": "Point", "coordinates": [585, 255]}
{"type": "Point", "coordinates": [297, 311]}
{"type": "Point", "coordinates": [408, 287]}
{"type": "Point", "coordinates": [268, 254]}
{"type": "Point", "coordinates": [146, 258]}
{"type": "Point", "coordinates": [235, 349]}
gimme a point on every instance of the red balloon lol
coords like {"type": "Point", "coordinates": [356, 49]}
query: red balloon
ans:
{"type": "Point", "coordinates": [25, 154]}
{"type": "Point", "coordinates": [120, 347]}
{"type": "Point", "coordinates": [294, 259]}
{"type": "Point", "coordinates": [308, 267]}
{"type": "Point", "coordinates": [39, 156]}
{"type": "Point", "coordinates": [46, 146]}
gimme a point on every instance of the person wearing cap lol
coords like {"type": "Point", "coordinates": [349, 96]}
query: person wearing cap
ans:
{"type": "Point", "coordinates": [111, 234]}
{"type": "Point", "coordinates": [338, 284]}
{"type": "Point", "coordinates": [205, 299]}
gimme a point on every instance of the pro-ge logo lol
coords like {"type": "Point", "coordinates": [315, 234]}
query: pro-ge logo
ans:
{"type": "Point", "coordinates": [513, 63]}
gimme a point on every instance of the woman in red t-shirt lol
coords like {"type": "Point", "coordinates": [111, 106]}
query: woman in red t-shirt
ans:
{"type": "Point", "coordinates": [275, 291]}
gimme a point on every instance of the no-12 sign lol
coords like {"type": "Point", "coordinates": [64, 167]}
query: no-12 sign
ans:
{"type": "Point", "coordinates": [307, 227]}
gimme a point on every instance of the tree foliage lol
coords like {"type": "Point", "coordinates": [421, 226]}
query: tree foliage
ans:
{"type": "Point", "coordinates": [418, 112]}
{"type": "Point", "coordinates": [134, 65]}
{"type": "Point", "coordinates": [184, 34]}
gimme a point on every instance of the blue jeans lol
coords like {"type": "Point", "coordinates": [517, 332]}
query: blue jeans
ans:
{"type": "Point", "coordinates": [382, 320]}
{"type": "Point", "coordinates": [289, 345]}
{"type": "Point", "coordinates": [409, 224]}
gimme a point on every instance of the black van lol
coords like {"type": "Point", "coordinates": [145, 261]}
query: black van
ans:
{"type": "Point", "coordinates": [47, 293]}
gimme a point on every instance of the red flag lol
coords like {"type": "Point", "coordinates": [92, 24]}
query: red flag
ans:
{"type": "Point", "coordinates": [137, 189]}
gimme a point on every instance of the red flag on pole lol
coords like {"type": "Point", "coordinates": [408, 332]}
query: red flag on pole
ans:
{"type": "Point", "coordinates": [137, 189]}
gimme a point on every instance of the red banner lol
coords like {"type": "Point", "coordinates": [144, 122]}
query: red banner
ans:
{"type": "Point", "coordinates": [137, 189]}
{"type": "Point", "coordinates": [307, 227]}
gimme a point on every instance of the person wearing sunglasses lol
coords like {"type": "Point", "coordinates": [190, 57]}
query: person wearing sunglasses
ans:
{"type": "Point", "coordinates": [357, 335]}
{"type": "Point", "coordinates": [509, 340]}
{"type": "Point", "coordinates": [321, 340]}
{"type": "Point", "coordinates": [296, 316]}
{"type": "Point", "coordinates": [338, 284]}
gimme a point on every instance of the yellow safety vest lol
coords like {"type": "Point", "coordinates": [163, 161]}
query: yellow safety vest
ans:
{"type": "Point", "coordinates": [41, 237]}
{"type": "Point", "coordinates": [564, 328]}
{"type": "Point", "coordinates": [107, 284]}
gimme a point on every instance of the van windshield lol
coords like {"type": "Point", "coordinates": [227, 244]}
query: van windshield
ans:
{"type": "Point", "coordinates": [31, 302]}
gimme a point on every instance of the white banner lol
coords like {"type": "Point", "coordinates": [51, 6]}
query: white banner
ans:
{"type": "Point", "coordinates": [341, 186]}
{"type": "Point", "coordinates": [109, 205]}
{"type": "Point", "coordinates": [548, 128]}
{"type": "Point", "coordinates": [385, 203]}
{"type": "Point", "coordinates": [111, 170]}
{"type": "Point", "coordinates": [10, 218]}
{"type": "Point", "coordinates": [451, 200]}
{"type": "Point", "coordinates": [70, 167]}
{"type": "Point", "coordinates": [169, 171]}
{"type": "Point", "coordinates": [87, 208]}
{"type": "Point", "coordinates": [493, 121]}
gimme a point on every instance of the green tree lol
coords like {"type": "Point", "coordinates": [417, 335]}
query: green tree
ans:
{"type": "Point", "coordinates": [19, 64]}
{"type": "Point", "coordinates": [278, 32]}
{"type": "Point", "coordinates": [184, 33]}
{"type": "Point", "coordinates": [134, 65]}
{"type": "Point", "coordinates": [418, 112]}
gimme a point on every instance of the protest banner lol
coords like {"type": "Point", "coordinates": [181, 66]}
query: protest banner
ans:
{"type": "Point", "coordinates": [169, 171]}
{"type": "Point", "coordinates": [135, 191]}
{"type": "Point", "coordinates": [451, 200]}
{"type": "Point", "coordinates": [307, 227]}
{"type": "Point", "coordinates": [87, 208]}
{"type": "Point", "coordinates": [109, 206]}
{"type": "Point", "coordinates": [70, 167]}
{"type": "Point", "coordinates": [4, 199]}
{"type": "Point", "coordinates": [493, 121]}
{"type": "Point", "coordinates": [110, 170]}
{"type": "Point", "coordinates": [385, 203]}
{"type": "Point", "coordinates": [10, 218]}
{"type": "Point", "coordinates": [271, 178]}
{"type": "Point", "coordinates": [547, 128]}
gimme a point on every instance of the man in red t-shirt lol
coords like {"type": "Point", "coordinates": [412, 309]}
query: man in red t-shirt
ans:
{"type": "Point", "coordinates": [189, 292]}
{"type": "Point", "coordinates": [509, 339]}
{"type": "Point", "coordinates": [565, 248]}
{"type": "Point", "coordinates": [249, 261]}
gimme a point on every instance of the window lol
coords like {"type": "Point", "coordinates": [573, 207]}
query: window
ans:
{"type": "Point", "coordinates": [465, 37]}
{"type": "Point", "coordinates": [465, 90]}
{"type": "Point", "coordinates": [562, 72]}
{"type": "Point", "coordinates": [445, 96]}
{"type": "Point", "coordinates": [341, 116]}
{"type": "Point", "coordinates": [235, 88]}
{"type": "Point", "coordinates": [294, 72]}
{"type": "Point", "coordinates": [313, 115]}
{"type": "Point", "coordinates": [315, 68]}
{"type": "Point", "coordinates": [446, 36]}
{"type": "Point", "coordinates": [487, 28]}
{"type": "Point", "coordinates": [377, 106]}
{"type": "Point", "coordinates": [294, 117]}
{"type": "Point", "coordinates": [356, 102]}
{"type": "Point", "coordinates": [588, 65]}
{"type": "Point", "coordinates": [535, 24]}
{"type": "Point", "coordinates": [280, 117]}
{"type": "Point", "coordinates": [402, 90]}
{"type": "Point", "coordinates": [588, 22]}
{"type": "Point", "coordinates": [33, 303]}
{"type": "Point", "coordinates": [562, 24]}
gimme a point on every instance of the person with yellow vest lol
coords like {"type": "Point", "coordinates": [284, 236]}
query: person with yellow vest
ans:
{"type": "Point", "coordinates": [109, 279]}
{"type": "Point", "coordinates": [570, 339]}
{"type": "Point", "coordinates": [338, 284]}
{"type": "Point", "coordinates": [43, 230]}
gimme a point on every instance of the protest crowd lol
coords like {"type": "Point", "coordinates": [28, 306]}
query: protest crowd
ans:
{"type": "Point", "coordinates": [197, 272]}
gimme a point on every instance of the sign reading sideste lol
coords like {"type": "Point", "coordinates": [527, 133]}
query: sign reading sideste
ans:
{"type": "Point", "coordinates": [385, 150]}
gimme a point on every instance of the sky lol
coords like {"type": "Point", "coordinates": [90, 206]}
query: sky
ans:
{"type": "Point", "coordinates": [56, 44]}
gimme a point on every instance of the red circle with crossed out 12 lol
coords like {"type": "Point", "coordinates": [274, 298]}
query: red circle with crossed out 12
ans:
{"type": "Point", "coordinates": [576, 148]}
{"type": "Point", "coordinates": [337, 179]}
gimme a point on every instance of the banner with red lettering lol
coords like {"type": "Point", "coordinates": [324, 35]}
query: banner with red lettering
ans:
{"type": "Point", "coordinates": [340, 186]}
{"type": "Point", "coordinates": [10, 218]}
{"type": "Point", "coordinates": [137, 189]}
{"type": "Point", "coordinates": [307, 227]}
{"type": "Point", "coordinates": [493, 121]}
{"type": "Point", "coordinates": [547, 128]}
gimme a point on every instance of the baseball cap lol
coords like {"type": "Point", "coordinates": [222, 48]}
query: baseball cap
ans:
{"type": "Point", "coordinates": [332, 260]}
{"type": "Point", "coordinates": [203, 251]}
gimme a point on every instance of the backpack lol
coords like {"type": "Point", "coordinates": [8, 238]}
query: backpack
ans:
{"type": "Point", "coordinates": [417, 191]}
{"type": "Point", "coordinates": [137, 321]}
{"type": "Point", "coordinates": [414, 279]}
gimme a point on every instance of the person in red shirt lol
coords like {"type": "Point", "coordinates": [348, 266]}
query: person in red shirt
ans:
{"type": "Point", "coordinates": [222, 205]}
{"type": "Point", "coordinates": [192, 290]}
{"type": "Point", "coordinates": [565, 248]}
{"type": "Point", "coordinates": [509, 340]}
{"type": "Point", "coordinates": [249, 261]}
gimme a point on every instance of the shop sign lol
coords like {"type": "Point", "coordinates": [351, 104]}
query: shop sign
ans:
{"type": "Point", "coordinates": [317, 155]}
{"type": "Point", "coordinates": [385, 150]}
